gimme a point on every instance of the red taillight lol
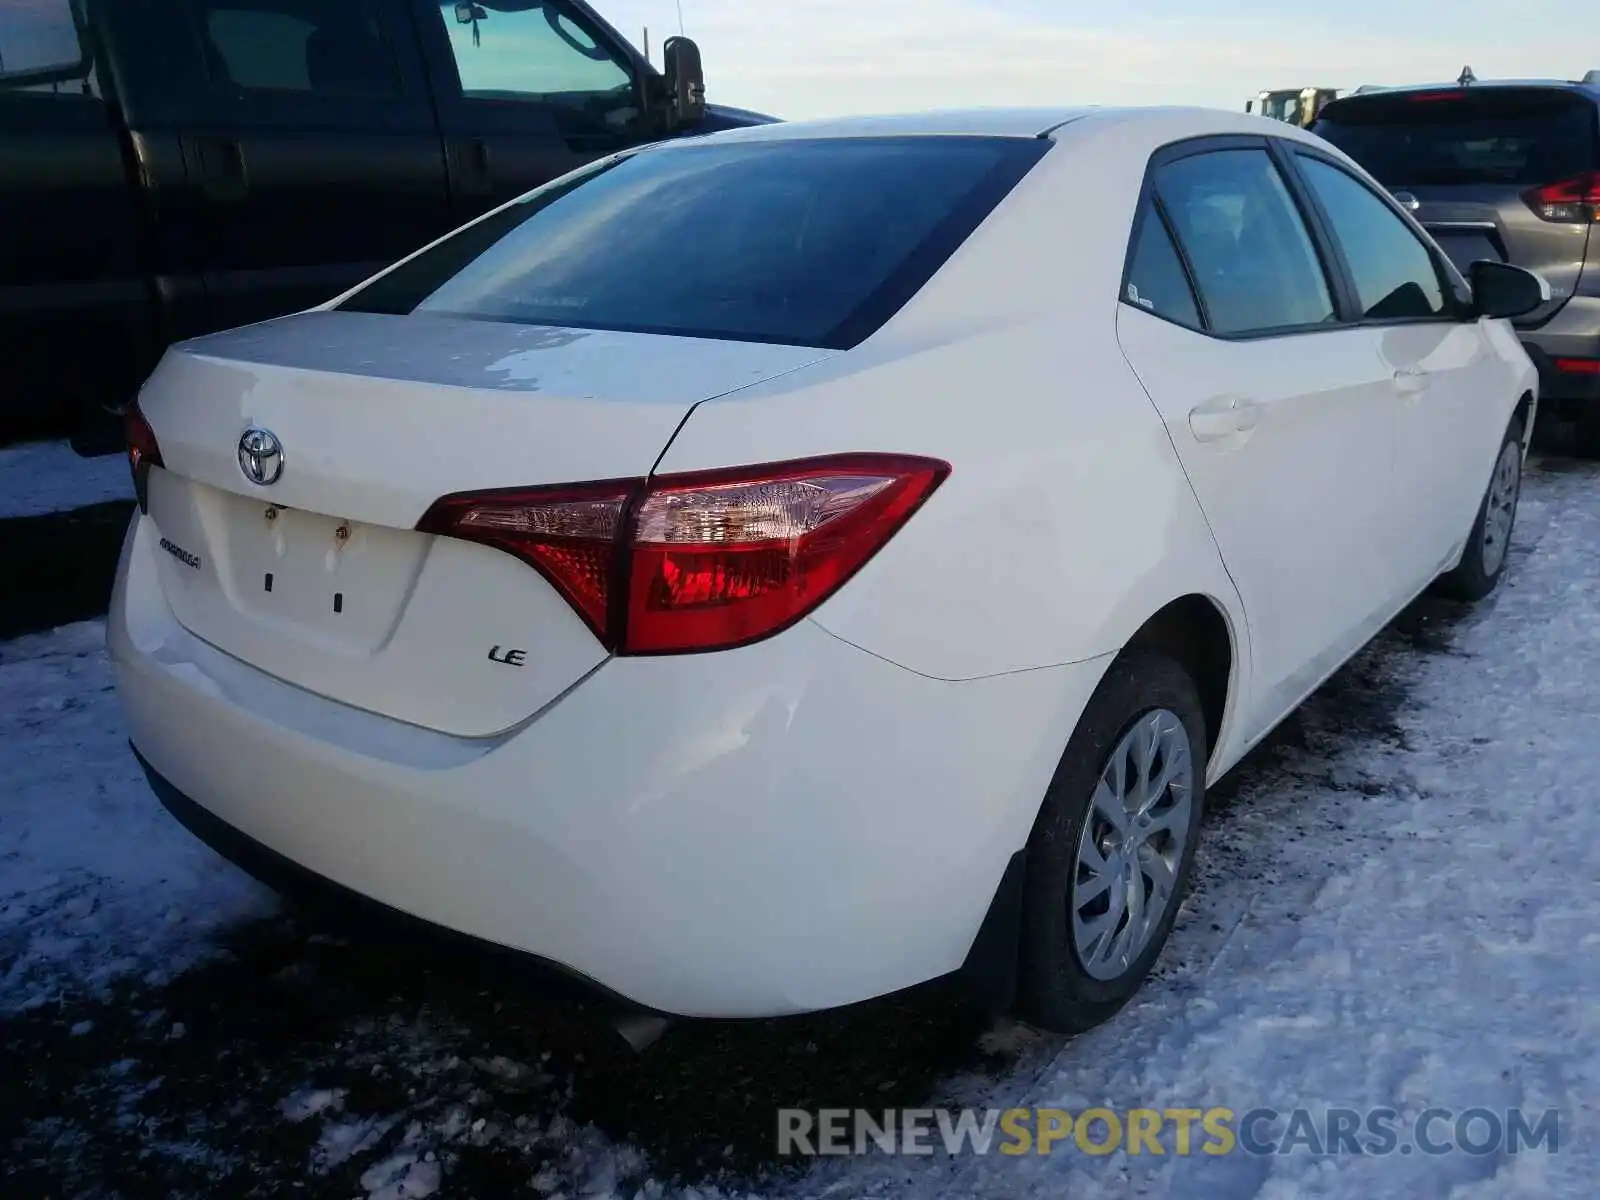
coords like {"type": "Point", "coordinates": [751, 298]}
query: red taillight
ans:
{"type": "Point", "coordinates": [728, 557]}
{"type": "Point", "coordinates": [706, 561]}
{"type": "Point", "coordinates": [1578, 366]}
{"type": "Point", "coordinates": [141, 439]}
{"type": "Point", "coordinates": [143, 452]}
{"type": "Point", "coordinates": [1572, 201]}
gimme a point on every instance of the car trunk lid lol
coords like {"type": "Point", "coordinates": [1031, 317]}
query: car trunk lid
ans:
{"type": "Point", "coordinates": [321, 579]}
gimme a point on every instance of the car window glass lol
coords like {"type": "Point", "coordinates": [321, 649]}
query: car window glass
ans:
{"type": "Point", "coordinates": [1156, 281]}
{"type": "Point", "coordinates": [1395, 277]}
{"type": "Point", "coordinates": [803, 242]}
{"type": "Point", "coordinates": [327, 47]}
{"type": "Point", "coordinates": [1253, 259]}
{"type": "Point", "coordinates": [1509, 136]}
{"type": "Point", "coordinates": [541, 52]}
{"type": "Point", "coordinates": [39, 35]}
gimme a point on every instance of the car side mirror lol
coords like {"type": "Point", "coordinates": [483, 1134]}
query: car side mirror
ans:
{"type": "Point", "coordinates": [686, 80]}
{"type": "Point", "coordinates": [467, 13]}
{"type": "Point", "coordinates": [1502, 290]}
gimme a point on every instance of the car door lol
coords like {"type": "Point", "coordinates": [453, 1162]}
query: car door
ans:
{"type": "Point", "coordinates": [70, 275]}
{"type": "Point", "coordinates": [1448, 428]}
{"type": "Point", "coordinates": [1280, 412]}
{"type": "Point", "coordinates": [527, 90]}
{"type": "Point", "coordinates": [319, 159]}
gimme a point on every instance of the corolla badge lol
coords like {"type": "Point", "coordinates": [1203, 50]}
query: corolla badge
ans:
{"type": "Point", "coordinates": [261, 456]}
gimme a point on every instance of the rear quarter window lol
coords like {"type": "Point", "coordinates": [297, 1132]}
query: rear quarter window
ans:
{"type": "Point", "coordinates": [802, 242]}
{"type": "Point", "coordinates": [1157, 282]}
{"type": "Point", "coordinates": [1516, 136]}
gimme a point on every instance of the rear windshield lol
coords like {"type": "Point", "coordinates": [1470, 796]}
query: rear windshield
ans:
{"type": "Point", "coordinates": [803, 242]}
{"type": "Point", "coordinates": [1506, 136]}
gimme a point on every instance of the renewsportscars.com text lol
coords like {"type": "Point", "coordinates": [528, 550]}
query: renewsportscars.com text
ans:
{"type": "Point", "coordinates": [1167, 1131]}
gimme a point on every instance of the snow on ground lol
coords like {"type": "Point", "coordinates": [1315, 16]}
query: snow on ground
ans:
{"type": "Point", "coordinates": [95, 879]}
{"type": "Point", "coordinates": [1398, 905]}
{"type": "Point", "coordinates": [45, 477]}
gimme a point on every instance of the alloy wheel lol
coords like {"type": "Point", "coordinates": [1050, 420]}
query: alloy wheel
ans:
{"type": "Point", "coordinates": [1132, 843]}
{"type": "Point", "coordinates": [1500, 511]}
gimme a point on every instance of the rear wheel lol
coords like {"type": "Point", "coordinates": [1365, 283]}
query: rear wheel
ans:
{"type": "Point", "coordinates": [1111, 851]}
{"type": "Point", "coordinates": [1483, 563]}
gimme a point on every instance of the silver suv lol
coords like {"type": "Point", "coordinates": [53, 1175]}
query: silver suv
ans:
{"type": "Point", "coordinates": [1506, 170]}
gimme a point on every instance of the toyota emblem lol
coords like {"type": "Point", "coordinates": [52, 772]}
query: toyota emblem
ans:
{"type": "Point", "coordinates": [261, 456]}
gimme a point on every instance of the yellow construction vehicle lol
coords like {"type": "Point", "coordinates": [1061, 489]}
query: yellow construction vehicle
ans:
{"type": "Point", "coordinates": [1297, 106]}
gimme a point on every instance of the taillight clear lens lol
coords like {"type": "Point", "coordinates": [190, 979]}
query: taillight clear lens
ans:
{"type": "Point", "coordinates": [726, 558]}
{"type": "Point", "coordinates": [1572, 201]}
{"type": "Point", "coordinates": [568, 534]}
{"type": "Point", "coordinates": [706, 561]}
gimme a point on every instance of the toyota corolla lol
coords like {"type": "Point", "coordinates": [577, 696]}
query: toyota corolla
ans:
{"type": "Point", "coordinates": [768, 571]}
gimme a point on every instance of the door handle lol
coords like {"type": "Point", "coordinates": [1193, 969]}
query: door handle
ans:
{"type": "Point", "coordinates": [1222, 417]}
{"type": "Point", "coordinates": [1409, 381]}
{"type": "Point", "coordinates": [473, 168]}
{"type": "Point", "coordinates": [221, 168]}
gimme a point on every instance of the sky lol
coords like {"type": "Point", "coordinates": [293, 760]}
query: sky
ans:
{"type": "Point", "coordinates": [815, 58]}
{"type": "Point", "coordinates": [834, 57]}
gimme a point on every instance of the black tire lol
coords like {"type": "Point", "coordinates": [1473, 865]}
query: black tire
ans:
{"type": "Point", "coordinates": [1586, 435]}
{"type": "Point", "coordinates": [1481, 569]}
{"type": "Point", "coordinates": [1054, 989]}
{"type": "Point", "coordinates": [96, 432]}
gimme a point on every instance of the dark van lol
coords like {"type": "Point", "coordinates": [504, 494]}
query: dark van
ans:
{"type": "Point", "coordinates": [173, 167]}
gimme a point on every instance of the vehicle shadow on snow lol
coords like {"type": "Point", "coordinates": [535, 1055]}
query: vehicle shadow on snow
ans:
{"type": "Point", "coordinates": [185, 1085]}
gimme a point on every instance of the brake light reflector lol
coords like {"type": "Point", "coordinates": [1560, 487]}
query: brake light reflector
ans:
{"type": "Point", "coordinates": [702, 561]}
{"type": "Point", "coordinates": [1578, 366]}
{"type": "Point", "coordinates": [1572, 201]}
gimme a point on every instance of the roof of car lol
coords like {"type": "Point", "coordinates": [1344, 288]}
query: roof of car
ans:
{"type": "Point", "coordinates": [1001, 122]}
{"type": "Point", "coordinates": [993, 122]}
{"type": "Point", "coordinates": [1570, 85]}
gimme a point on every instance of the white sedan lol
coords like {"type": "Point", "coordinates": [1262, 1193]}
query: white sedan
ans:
{"type": "Point", "coordinates": [770, 570]}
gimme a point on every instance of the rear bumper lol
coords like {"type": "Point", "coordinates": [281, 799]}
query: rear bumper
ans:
{"type": "Point", "coordinates": [1574, 332]}
{"type": "Point", "coordinates": [791, 826]}
{"type": "Point", "coordinates": [371, 918]}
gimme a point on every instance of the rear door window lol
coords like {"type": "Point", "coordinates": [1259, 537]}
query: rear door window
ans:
{"type": "Point", "coordinates": [1394, 275]}
{"type": "Point", "coordinates": [1253, 258]}
{"type": "Point", "coordinates": [317, 47]}
{"type": "Point", "coordinates": [805, 242]}
{"type": "Point", "coordinates": [1518, 136]}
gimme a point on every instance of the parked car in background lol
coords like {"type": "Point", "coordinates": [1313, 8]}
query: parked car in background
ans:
{"type": "Point", "coordinates": [172, 167]}
{"type": "Point", "coordinates": [1507, 171]}
{"type": "Point", "coordinates": [760, 572]}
